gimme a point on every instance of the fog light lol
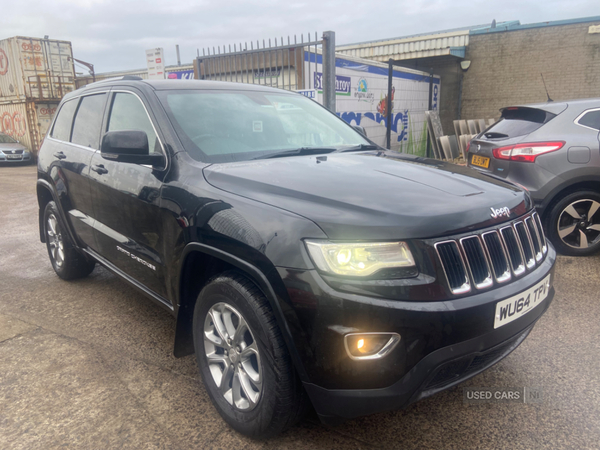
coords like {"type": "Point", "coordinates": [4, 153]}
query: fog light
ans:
{"type": "Point", "coordinates": [370, 345]}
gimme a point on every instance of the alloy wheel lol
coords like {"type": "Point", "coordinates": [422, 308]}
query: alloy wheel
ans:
{"type": "Point", "coordinates": [579, 224]}
{"type": "Point", "coordinates": [233, 356]}
{"type": "Point", "coordinates": [55, 241]}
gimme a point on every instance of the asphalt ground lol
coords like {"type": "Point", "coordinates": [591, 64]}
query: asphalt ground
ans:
{"type": "Point", "coordinates": [88, 365]}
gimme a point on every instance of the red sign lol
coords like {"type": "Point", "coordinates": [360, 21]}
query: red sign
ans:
{"type": "Point", "coordinates": [158, 60]}
{"type": "Point", "coordinates": [3, 62]}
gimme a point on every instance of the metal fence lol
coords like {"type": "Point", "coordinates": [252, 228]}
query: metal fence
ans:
{"type": "Point", "coordinates": [276, 63]}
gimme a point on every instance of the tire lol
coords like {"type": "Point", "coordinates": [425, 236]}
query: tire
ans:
{"type": "Point", "coordinates": [573, 224]}
{"type": "Point", "coordinates": [262, 396]}
{"type": "Point", "coordinates": [66, 260]}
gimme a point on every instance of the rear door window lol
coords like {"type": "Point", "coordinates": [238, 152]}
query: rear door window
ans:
{"type": "Point", "coordinates": [518, 122]}
{"type": "Point", "coordinates": [64, 120]}
{"type": "Point", "coordinates": [88, 121]}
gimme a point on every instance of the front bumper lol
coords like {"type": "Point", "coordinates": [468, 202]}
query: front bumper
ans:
{"type": "Point", "coordinates": [25, 157]}
{"type": "Point", "coordinates": [443, 343]}
{"type": "Point", "coordinates": [438, 371]}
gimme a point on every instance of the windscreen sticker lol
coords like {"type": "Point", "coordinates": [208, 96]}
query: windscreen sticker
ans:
{"type": "Point", "coordinates": [257, 126]}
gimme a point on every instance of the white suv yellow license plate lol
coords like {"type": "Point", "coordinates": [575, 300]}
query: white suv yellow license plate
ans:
{"type": "Point", "coordinates": [480, 161]}
{"type": "Point", "coordinates": [517, 306]}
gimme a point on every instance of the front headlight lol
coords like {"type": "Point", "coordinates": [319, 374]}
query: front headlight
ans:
{"type": "Point", "coordinates": [358, 259]}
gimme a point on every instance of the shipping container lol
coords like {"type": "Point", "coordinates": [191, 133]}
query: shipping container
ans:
{"type": "Point", "coordinates": [35, 69]}
{"type": "Point", "coordinates": [27, 122]}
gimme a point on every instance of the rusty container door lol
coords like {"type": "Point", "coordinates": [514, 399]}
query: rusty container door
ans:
{"type": "Point", "coordinates": [27, 122]}
{"type": "Point", "coordinates": [40, 115]}
{"type": "Point", "coordinates": [35, 69]}
{"type": "Point", "coordinates": [14, 121]}
{"type": "Point", "coordinates": [11, 75]}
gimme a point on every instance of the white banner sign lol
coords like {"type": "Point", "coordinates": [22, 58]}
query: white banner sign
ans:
{"type": "Point", "coordinates": [156, 64]}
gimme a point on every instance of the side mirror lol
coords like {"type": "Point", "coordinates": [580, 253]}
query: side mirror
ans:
{"type": "Point", "coordinates": [360, 129]}
{"type": "Point", "coordinates": [130, 146]}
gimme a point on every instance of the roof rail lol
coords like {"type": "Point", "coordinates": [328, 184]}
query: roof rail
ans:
{"type": "Point", "coordinates": [122, 78]}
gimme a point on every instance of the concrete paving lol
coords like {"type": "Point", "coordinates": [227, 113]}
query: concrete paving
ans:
{"type": "Point", "coordinates": [88, 365]}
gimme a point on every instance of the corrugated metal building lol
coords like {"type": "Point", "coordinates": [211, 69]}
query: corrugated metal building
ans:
{"type": "Point", "coordinates": [497, 52]}
{"type": "Point", "coordinates": [451, 42]}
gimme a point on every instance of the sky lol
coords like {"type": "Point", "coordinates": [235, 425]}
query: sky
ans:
{"type": "Point", "coordinates": [113, 35]}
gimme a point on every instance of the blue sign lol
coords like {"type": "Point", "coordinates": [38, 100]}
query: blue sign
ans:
{"type": "Point", "coordinates": [181, 75]}
{"type": "Point", "coordinates": [310, 93]}
{"type": "Point", "coordinates": [342, 84]}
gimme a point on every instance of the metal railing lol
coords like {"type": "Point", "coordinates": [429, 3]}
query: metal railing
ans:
{"type": "Point", "coordinates": [276, 63]}
{"type": "Point", "coordinates": [48, 87]}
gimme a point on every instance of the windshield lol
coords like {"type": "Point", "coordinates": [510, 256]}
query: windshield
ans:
{"type": "Point", "coordinates": [4, 139]}
{"type": "Point", "coordinates": [224, 126]}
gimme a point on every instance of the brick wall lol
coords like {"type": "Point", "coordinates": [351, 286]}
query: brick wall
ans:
{"type": "Point", "coordinates": [506, 66]}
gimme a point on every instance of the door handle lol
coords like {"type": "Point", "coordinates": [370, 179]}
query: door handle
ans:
{"type": "Point", "coordinates": [60, 155]}
{"type": "Point", "coordinates": [99, 169]}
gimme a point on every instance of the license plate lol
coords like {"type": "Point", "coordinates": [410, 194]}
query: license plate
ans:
{"type": "Point", "coordinates": [480, 161]}
{"type": "Point", "coordinates": [13, 156]}
{"type": "Point", "coordinates": [517, 306]}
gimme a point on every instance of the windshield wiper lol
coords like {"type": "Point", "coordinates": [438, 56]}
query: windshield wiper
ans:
{"type": "Point", "coordinates": [357, 148]}
{"type": "Point", "coordinates": [494, 135]}
{"type": "Point", "coordinates": [297, 152]}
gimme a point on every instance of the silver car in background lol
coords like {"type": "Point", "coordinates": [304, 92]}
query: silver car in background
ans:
{"type": "Point", "coordinates": [11, 151]}
{"type": "Point", "coordinates": [553, 150]}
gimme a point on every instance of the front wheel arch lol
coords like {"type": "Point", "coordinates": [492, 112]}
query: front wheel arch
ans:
{"type": "Point", "coordinates": [219, 261]}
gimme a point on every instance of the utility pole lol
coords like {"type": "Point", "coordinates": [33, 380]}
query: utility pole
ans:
{"type": "Point", "coordinates": [429, 108]}
{"type": "Point", "coordinates": [329, 70]}
{"type": "Point", "coordinates": [388, 107]}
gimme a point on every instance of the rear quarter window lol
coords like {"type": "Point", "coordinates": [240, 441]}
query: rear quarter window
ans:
{"type": "Point", "coordinates": [64, 120]}
{"type": "Point", "coordinates": [518, 122]}
{"type": "Point", "coordinates": [590, 119]}
{"type": "Point", "coordinates": [88, 121]}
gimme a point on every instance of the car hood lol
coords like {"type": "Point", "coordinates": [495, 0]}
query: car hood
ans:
{"type": "Point", "coordinates": [374, 195]}
{"type": "Point", "coordinates": [15, 146]}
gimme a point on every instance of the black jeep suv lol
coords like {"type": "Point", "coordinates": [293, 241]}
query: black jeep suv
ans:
{"type": "Point", "coordinates": [303, 263]}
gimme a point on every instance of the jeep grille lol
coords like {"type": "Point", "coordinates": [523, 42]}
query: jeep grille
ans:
{"type": "Point", "coordinates": [480, 260]}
